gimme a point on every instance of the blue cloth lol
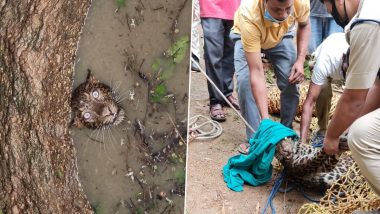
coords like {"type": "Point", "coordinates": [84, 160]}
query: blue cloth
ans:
{"type": "Point", "coordinates": [255, 168]}
{"type": "Point", "coordinates": [282, 57]}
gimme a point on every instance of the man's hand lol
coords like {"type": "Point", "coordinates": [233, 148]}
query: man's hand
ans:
{"type": "Point", "coordinates": [331, 146]}
{"type": "Point", "coordinates": [297, 74]}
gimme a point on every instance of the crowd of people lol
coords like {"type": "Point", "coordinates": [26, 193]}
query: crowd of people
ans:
{"type": "Point", "coordinates": [342, 35]}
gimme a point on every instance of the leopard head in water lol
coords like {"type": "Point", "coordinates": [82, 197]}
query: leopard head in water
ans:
{"type": "Point", "coordinates": [95, 105]}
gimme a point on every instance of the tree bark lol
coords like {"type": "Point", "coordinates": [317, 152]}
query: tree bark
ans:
{"type": "Point", "coordinates": [38, 42]}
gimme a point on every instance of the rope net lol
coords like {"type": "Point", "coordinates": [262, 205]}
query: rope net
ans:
{"type": "Point", "coordinates": [274, 101]}
{"type": "Point", "coordinates": [351, 192]}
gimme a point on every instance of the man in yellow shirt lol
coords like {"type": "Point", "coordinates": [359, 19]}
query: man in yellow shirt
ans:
{"type": "Point", "coordinates": [268, 26]}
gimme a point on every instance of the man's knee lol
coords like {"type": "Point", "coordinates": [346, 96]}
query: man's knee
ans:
{"type": "Point", "coordinates": [288, 89]}
{"type": "Point", "coordinates": [356, 135]}
{"type": "Point", "coordinates": [243, 84]}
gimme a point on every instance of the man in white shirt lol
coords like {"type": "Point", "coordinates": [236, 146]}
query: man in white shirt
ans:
{"type": "Point", "coordinates": [359, 105]}
{"type": "Point", "coordinates": [328, 66]}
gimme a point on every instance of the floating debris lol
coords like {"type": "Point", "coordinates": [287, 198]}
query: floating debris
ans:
{"type": "Point", "coordinates": [132, 95]}
{"type": "Point", "coordinates": [161, 195]}
{"type": "Point", "coordinates": [114, 171]}
{"type": "Point", "coordinates": [130, 174]}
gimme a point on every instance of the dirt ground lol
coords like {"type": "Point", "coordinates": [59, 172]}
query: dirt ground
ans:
{"type": "Point", "coordinates": [206, 191]}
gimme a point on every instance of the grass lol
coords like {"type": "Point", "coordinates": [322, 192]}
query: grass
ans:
{"type": "Point", "coordinates": [121, 3]}
{"type": "Point", "coordinates": [269, 74]}
{"type": "Point", "coordinates": [164, 67]}
{"type": "Point", "coordinates": [307, 70]}
{"type": "Point", "coordinates": [159, 94]}
{"type": "Point", "coordinates": [99, 209]}
{"type": "Point", "coordinates": [180, 175]}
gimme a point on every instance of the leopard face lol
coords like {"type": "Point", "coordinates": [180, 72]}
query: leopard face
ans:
{"type": "Point", "coordinates": [95, 105]}
{"type": "Point", "coordinates": [311, 166]}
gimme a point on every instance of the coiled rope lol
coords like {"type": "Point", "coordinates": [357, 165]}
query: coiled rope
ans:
{"type": "Point", "coordinates": [205, 129]}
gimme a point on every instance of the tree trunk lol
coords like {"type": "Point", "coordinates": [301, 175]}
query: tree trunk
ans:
{"type": "Point", "coordinates": [38, 170]}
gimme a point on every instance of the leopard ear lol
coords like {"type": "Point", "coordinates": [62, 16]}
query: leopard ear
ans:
{"type": "Point", "coordinates": [90, 77]}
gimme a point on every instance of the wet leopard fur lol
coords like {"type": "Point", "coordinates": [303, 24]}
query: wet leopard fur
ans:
{"type": "Point", "coordinates": [95, 105]}
{"type": "Point", "coordinates": [310, 166]}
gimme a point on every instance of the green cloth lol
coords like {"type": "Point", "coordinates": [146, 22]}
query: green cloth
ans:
{"type": "Point", "coordinates": [255, 168]}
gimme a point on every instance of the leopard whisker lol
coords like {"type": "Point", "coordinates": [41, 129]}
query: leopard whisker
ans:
{"type": "Point", "coordinates": [113, 140]}
{"type": "Point", "coordinates": [120, 100]}
{"type": "Point", "coordinates": [89, 137]}
{"type": "Point", "coordinates": [97, 135]}
{"type": "Point", "coordinates": [118, 85]}
{"type": "Point", "coordinates": [104, 146]}
{"type": "Point", "coordinates": [106, 152]}
{"type": "Point", "coordinates": [119, 96]}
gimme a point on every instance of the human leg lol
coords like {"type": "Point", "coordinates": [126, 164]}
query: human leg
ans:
{"type": "Point", "coordinates": [248, 107]}
{"type": "Point", "coordinates": [323, 106]}
{"type": "Point", "coordinates": [316, 33]}
{"type": "Point", "coordinates": [213, 32]}
{"type": "Point", "coordinates": [282, 58]}
{"type": "Point", "coordinates": [228, 60]}
{"type": "Point", "coordinates": [364, 143]}
{"type": "Point", "coordinates": [228, 65]}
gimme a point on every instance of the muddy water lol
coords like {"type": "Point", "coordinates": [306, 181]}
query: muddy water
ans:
{"type": "Point", "coordinates": [122, 170]}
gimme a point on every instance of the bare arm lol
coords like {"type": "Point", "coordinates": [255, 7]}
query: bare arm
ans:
{"type": "Point", "coordinates": [373, 99]}
{"type": "Point", "coordinates": [303, 34]}
{"type": "Point", "coordinates": [307, 109]}
{"type": "Point", "coordinates": [257, 79]}
{"type": "Point", "coordinates": [348, 109]}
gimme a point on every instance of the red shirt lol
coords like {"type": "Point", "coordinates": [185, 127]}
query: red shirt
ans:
{"type": "Point", "coordinates": [222, 9]}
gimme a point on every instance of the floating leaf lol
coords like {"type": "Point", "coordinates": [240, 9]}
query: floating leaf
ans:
{"type": "Point", "coordinates": [156, 65]}
{"type": "Point", "coordinates": [168, 71]}
{"type": "Point", "coordinates": [99, 209]}
{"type": "Point", "coordinates": [159, 94]}
{"type": "Point", "coordinates": [121, 3]}
{"type": "Point", "coordinates": [180, 176]}
{"type": "Point", "coordinates": [179, 56]}
{"type": "Point", "coordinates": [160, 89]}
{"type": "Point", "coordinates": [178, 50]}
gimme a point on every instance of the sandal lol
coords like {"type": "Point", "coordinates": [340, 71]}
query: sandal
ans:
{"type": "Point", "coordinates": [244, 148]}
{"type": "Point", "coordinates": [234, 102]}
{"type": "Point", "coordinates": [217, 113]}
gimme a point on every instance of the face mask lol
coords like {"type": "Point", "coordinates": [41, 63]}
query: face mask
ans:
{"type": "Point", "coordinates": [270, 18]}
{"type": "Point", "coordinates": [335, 15]}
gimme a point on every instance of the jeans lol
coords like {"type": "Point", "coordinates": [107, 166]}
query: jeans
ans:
{"type": "Point", "coordinates": [323, 107]}
{"type": "Point", "coordinates": [219, 57]}
{"type": "Point", "coordinates": [282, 58]}
{"type": "Point", "coordinates": [321, 28]}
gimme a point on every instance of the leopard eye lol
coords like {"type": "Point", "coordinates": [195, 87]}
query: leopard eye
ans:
{"type": "Point", "coordinates": [87, 115]}
{"type": "Point", "coordinates": [95, 94]}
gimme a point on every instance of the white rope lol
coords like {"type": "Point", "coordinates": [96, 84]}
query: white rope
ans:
{"type": "Point", "coordinates": [198, 131]}
{"type": "Point", "coordinates": [224, 97]}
